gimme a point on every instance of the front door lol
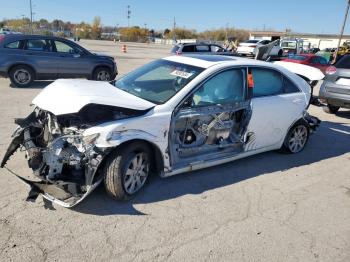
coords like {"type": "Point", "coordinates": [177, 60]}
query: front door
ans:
{"type": "Point", "coordinates": [211, 122]}
{"type": "Point", "coordinates": [71, 61]}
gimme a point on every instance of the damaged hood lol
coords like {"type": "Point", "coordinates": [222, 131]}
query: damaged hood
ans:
{"type": "Point", "coordinates": [67, 96]}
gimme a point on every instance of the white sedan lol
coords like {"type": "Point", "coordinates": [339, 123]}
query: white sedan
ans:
{"type": "Point", "coordinates": [173, 115]}
{"type": "Point", "coordinates": [250, 47]}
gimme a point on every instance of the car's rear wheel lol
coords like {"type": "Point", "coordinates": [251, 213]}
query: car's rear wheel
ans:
{"type": "Point", "coordinates": [21, 76]}
{"type": "Point", "coordinates": [296, 138]}
{"type": "Point", "coordinates": [331, 109]}
{"type": "Point", "coordinates": [102, 74]}
{"type": "Point", "coordinates": [127, 170]}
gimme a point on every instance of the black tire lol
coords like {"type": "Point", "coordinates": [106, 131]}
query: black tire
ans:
{"type": "Point", "coordinates": [329, 109]}
{"type": "Point", "coordinates": [22, 76]}
{"type": "Point", "coordinates": [117, 165]}
{"type": "Point", "coordinates": [102, 74]}
{"type": "Point", "coordinates": [287, 146]}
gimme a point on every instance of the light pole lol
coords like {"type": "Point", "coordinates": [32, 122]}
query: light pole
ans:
{"type": "Point", "coordinates": [31, 16]}
{"type": "Point", "coordinates": [342, 31]}
{"type": "Point", "coordinates": [128, 14]}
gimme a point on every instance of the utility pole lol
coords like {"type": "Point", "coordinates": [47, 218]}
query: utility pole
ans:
{"type": "Point", "coordinates": [128, 14]}
{"type": "Point", "coordinates": [31, 16]}
{"type": "Point", "coordinates": [174, 27]}
{"type": "Point", "coordinates": [342, 31]}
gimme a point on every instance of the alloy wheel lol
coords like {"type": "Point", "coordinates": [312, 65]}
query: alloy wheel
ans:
{"type": "Point", "coordinates": [136, 173]}
{"type": "Point", "coordinates": [22, 76]}
{"type": "Point", "coordinates": [298, 139]}
{"type": "Point", "coordinates": [103, 76]}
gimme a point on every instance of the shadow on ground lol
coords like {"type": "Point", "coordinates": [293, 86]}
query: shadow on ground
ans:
{"type": "Point", "coordinates": [35, 85]}
{"type": "Point", "coordinates": [331, 140]}
{"type": "Point", "coordinates": [343, 114]}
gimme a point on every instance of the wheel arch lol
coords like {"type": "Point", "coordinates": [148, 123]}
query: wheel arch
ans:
{"type": "Point", "coordinates": [99, 66]}
{"type": "Point", "coordinates": [157, 153]}
{"type": "Point", "coordinates": [21, 64]}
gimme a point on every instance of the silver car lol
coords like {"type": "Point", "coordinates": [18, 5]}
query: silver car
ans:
{"type": "Point", "coordinates": [335, 90]}
{"type": "Point", "coordinates": [26, 58]}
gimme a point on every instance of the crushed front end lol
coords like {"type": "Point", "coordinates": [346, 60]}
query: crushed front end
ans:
{"type": "Point", "coordinates": [61, 157]}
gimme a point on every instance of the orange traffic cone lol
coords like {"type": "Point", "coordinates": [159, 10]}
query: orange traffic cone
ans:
{"type": "Point", "coordinates": [124, 49]}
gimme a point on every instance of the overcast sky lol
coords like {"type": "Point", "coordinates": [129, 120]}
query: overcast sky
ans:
{"type": "Point", "coordinates": [309, 16]}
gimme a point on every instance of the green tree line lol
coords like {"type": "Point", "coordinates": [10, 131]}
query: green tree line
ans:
{"type": "Point", "coordinates": [95, 30]}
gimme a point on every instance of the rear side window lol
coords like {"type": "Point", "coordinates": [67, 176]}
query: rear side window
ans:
{"type": "Point", "coordinates": [215, 48]}
{"type": "Point", "coordinates": [38, 45]}
{"type": "Point", "coordinates": [266, 82]}
{"type": "Point", "coordinates": [188, 48]}
{"type": "Point", "coordinates": [14, 45]}
{"type": "Point", "coordinates": [289, 86]}
{"type": "Point", "coordinates": [343, 62]}
{"type": "Point", "coordinates": [269, 82]}
{"type": "Point", "coordinates": [202, 48]}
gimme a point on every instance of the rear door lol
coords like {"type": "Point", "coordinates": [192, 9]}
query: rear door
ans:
{"type": "Point", "coordinates": [277, 103]}
{"type": "Point", "coordinates": [38, 52]}
{"type": "Point", "coordinates": [72, 61]}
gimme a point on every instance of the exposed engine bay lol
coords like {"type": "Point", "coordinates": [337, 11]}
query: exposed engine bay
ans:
{"type": "Point", "coordinates": [209, 130]}
{"type": "Point", "coordinates": [65, 161]}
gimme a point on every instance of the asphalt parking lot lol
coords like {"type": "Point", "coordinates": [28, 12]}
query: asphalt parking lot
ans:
{"type": "Point", "coordinates": [269, 207]}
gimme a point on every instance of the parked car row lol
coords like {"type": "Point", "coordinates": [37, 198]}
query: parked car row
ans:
{"type": "Point", "coordinates": [250, 47]}
{"type": "Point", "coordinates": [26, 58]}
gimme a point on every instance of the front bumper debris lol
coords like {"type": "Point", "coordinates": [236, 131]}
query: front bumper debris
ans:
{"type": "Point", "coordinates": [67, 170]}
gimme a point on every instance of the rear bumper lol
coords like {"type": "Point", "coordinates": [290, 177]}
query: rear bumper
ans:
{"type": "Point", "coordinates": [334, 98]}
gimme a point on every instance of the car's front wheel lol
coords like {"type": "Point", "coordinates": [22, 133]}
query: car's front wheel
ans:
{"type": "Point", "coordinates": [21, 76]}
{"type": "Point", "coordinates": [296, 138]}
{"type": "Point", "coordinates": [331, 109]}
{"type": "Point", "coordinates": [127, 170]}
{"type": "Point", "coordinates": [102, 74]}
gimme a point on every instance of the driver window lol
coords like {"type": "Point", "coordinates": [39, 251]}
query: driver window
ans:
{"type": "Point", "coordinates": [225, 87]}
{"type": "Point", "coordinates": [64, 48]}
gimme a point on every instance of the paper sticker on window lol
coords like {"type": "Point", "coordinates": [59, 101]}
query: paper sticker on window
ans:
{"type": "Point", "coordinates": [182, 74]}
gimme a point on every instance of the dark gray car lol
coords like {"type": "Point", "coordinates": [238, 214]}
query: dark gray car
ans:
{"type": "Point", "coordinates": [335, 90]}
{"type": "Point", "coordinates": [25, 58]}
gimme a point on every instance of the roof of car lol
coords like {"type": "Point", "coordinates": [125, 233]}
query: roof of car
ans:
{"type": "Point", "coordinates": [206, 61]}
{"type": "Point", "coordinates": [9, 37]}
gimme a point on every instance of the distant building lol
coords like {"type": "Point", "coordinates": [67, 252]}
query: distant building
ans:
{"type": "Point", "coordinates": [314, 40]}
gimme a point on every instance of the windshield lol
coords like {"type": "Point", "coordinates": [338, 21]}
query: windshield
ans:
{"type": "Point", "coordinates": [158, 81]}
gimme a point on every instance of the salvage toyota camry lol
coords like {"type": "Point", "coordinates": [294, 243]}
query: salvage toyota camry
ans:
{"type": "Point", "coordinates": [170, 116]}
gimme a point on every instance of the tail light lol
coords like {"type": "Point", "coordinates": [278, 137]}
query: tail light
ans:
{"type": "Point", "coordinates": [331, 70]}
{"type": "Point", "coordinates": [178, 52]}
{"type": "Point", "coordinates": [252, 46]}
{"type": "Point", "coordinates": [2, 37]}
